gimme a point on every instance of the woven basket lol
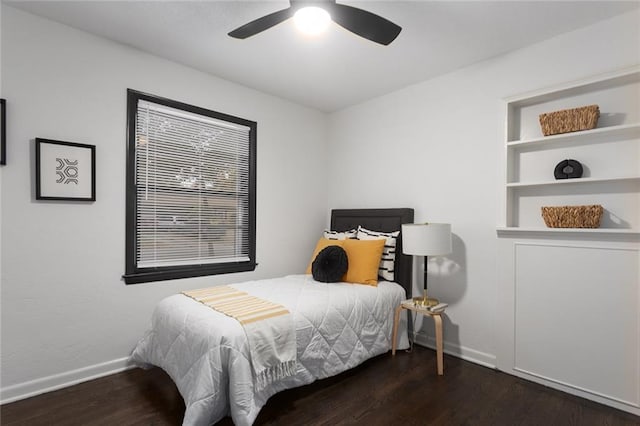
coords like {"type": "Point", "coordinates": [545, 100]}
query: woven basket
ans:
{"type": "Point", "coordinates": [572, 216]}
{"type": "Point", "coordinates": [569, 120]}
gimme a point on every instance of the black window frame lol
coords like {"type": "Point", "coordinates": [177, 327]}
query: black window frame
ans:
{"type": "Point", "coordinates": [134, 274]}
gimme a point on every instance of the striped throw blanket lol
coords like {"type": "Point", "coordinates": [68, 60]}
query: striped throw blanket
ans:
{"type": "Point", "coordinates": [269, 328]}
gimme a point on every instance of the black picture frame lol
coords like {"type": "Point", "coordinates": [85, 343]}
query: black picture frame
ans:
{"type": "Point", "coordinates": [3, 132]}
{"type": "Point", "coordinates": [65, 171]}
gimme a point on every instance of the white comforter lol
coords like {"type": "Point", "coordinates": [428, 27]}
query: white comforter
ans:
{"type": "Point", "coordinates": [338, 326]}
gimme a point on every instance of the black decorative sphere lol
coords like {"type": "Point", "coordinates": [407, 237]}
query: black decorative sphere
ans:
{"type": "Point", "coordinates": [330, 264]}
{"type": "Point", "coordinates": [568, 169]}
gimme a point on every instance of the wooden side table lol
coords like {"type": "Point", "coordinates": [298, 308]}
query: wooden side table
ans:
{"type": "Point", "coordinates": [437, 318]}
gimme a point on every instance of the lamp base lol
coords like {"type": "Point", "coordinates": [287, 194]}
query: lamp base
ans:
{"type": "Point", "coordinates": [425, 301]}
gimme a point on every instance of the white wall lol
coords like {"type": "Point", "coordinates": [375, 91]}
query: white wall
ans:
{"type": "Point", "coordinates": [64, 304]}
{"type": "Point", "coordinates": [437, 146]}
{"type": "Point", "coordinates": [1, 96]}
{"type": "Point", "coordinates": [1, 173]}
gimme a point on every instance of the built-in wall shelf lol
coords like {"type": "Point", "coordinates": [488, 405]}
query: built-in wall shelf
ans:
{"type": "Point", "coordinates": [584, 231]}
{"type": "Point", "coordinates": [581, 181]}
{"type": "Point", "coordinates": [609, 154]}
{"type": "Point", "coordinates": [586, 136]}
{"type": "Point", "coordinates": [571, 272]}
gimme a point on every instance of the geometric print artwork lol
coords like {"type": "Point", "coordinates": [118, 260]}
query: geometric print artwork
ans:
{"type": "Point", "coordinates": [67, 171]}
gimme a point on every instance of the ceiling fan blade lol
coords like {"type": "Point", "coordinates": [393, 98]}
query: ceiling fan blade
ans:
{"type": "Point", "coordinates": [261, 24]}
{"type": "Point", "coordinates": [365, 24]}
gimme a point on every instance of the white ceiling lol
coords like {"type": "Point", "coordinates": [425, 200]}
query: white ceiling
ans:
{"type": "Point", "coordinates": [338, 69]}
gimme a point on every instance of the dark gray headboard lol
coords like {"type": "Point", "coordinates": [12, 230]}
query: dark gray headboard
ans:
{"type": "Point", "coordinates": [385, 220]}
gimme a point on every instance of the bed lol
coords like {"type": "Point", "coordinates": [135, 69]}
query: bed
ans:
{"type": "Point", "coordinates": [337, 327]}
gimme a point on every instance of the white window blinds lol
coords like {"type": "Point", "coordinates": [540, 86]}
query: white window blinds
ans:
{"type": "Point", "coordinates": [192, 188]}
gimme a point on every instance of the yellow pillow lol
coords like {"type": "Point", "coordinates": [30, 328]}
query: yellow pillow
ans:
{"type": "Point", "coordinates": [322, 243]}
{"type": "Point", "coordinates": [364, 260]}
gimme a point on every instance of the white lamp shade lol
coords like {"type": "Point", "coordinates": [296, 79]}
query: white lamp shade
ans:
{"type": "Point", "coordinates": [426, 239]}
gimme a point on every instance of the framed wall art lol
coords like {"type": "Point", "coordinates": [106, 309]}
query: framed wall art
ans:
{"type": "Point", "coordinates": [3, 132]}
{"type": "Point", "coordinates": [65, 171]}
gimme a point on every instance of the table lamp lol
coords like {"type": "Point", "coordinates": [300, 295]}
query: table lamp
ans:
{"type": "Point", "coordinates": [426, 239]}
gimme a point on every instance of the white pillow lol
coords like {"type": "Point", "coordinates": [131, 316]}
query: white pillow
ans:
{"type": "Point", "coordinates": [335, 235]}
{"type": "Point", "coordinates": [387, 262]}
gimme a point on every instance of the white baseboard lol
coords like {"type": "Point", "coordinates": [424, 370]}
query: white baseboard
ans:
{"type": "Point", "coordinates": [632, 407]}
{"type": "Point", "coordinates": [488, 360]}
{"type": "Point", "coordinates": [58, 381]}
{"type": "Point", "coordinates": [471, 355]}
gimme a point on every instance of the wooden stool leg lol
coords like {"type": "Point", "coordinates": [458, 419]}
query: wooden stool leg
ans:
{"type": "Point", "coordinates": [396, 322]}
{"type": "Point", "coordinates": [438, 322]}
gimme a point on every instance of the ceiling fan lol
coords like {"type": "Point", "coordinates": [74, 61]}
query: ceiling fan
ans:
{"type": "Point", "coordinates": [358, 21]}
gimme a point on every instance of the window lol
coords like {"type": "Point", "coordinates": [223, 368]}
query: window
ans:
{"type": "Point", "coordinates": [191, 191]}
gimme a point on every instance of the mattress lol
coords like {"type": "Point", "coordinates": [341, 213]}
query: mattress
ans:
{"type": "Point", "coordinates": [338, 326]}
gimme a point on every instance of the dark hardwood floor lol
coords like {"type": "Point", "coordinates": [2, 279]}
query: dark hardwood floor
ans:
{"type": "Point", "coordinates": [403, 390]}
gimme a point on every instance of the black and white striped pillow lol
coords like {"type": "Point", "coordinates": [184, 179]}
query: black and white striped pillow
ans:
{"type": "Point", "coordinates": [387, 262]}
{"type": "Point", "coordinates": [346, 235]}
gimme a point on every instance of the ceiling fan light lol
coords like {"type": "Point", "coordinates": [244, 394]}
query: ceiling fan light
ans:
{"type": "Point", "coordinates": [312, 20]}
